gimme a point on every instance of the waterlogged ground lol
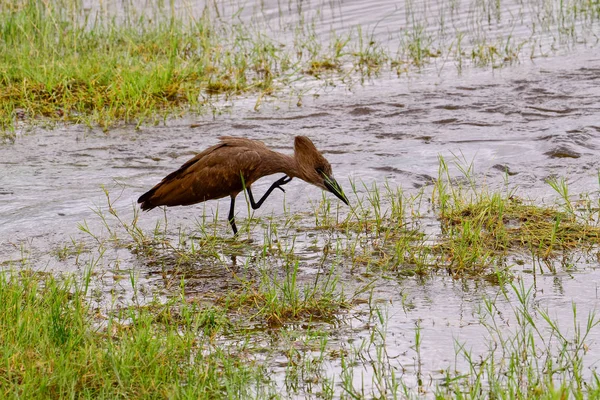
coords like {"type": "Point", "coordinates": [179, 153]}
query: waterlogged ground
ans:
{"type": "Point", "coordinates": [422, 32]}
{"type": "Point", "coordinates": [523, 125]}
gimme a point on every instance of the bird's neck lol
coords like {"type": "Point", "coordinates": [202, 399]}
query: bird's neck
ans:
{"type": "Point", "coordinates": [280, 162]}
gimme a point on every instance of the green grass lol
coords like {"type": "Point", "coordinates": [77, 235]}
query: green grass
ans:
{"type": "Point", "coordinates": [479, 230]}
{"type": "Point", "coordinates": [59, 62]}
{"type": "Point", "coordinates": [54, 345]}
{"type": "Point", "coordinates": [537, 357]}
{"type": "Point", "coordinates": [278, 301]}
{"type": "Point", "coordinates": [57, 65]}
{"type": "Point", "coordinates": [262, 327]}
{"type": "Point", "coordinates": [482, 227]}
{"type": "Point", "coordinates": [473, 230]}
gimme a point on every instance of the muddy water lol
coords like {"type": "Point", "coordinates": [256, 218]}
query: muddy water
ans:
{"type": "Point", "coordinates": [536, 120]}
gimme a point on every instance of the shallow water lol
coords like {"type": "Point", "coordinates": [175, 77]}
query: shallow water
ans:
{"type": "Point", "coordinates": [528, 29]}
{"type": "Point", "coordinates": [535, 120]}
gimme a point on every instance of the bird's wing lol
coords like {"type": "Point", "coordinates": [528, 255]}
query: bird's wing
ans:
{"type": "Point", "coordinates": [244, 156]}
{"type": "Point", "coordinates": [227, 164]}
{"type": "Point", "coordinates": [220, 166]}
{"type": "Point", "coordinates": [214, 173]}
{"type": "Point", "coordinates": [234, 141]}
{"type": "Point", "coordinates": [185, 168]}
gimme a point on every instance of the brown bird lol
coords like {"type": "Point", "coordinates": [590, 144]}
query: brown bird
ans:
{"type": "Point", "coordinates": [233, 165]}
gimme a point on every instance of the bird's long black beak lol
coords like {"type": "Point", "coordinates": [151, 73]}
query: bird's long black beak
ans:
{"type": "Point", "coordinates": [335, 188]}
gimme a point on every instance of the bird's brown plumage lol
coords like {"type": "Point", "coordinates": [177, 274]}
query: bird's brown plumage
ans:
{"type": "Point", "coordinates": [217, 172]}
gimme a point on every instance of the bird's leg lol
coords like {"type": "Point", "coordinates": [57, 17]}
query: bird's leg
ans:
{"type": "Point", "coordinates": [231, 217]}
{"type": "Point", "coordinates": [277, 184]}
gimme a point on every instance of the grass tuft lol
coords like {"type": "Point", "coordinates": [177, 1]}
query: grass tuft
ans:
{"type": "Point", "coordinates": [51, 347]}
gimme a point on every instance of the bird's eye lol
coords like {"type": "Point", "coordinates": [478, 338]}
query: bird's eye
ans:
{"type": "Point", "coordinates": [319, 171]}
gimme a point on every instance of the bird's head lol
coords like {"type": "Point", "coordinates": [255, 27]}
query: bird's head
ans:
{"type": "Point", "coordinates": [314, 168]}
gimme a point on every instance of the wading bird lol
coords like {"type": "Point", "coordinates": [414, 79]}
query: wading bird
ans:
{"type": "Point", "coordinates": [233, 165]}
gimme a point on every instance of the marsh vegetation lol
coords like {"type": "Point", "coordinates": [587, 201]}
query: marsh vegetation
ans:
{"type": "Point", "coordinates": [224, 314]}
{"type": "Point", "coordinates": [441, 280]}
{"type": "Point", "coordinates": [105, 64]}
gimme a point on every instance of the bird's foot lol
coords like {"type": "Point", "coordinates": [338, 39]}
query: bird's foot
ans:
{"type": "Point", "coordinates": [282, 181]}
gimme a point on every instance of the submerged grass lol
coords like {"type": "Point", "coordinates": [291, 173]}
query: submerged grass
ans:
{"type": "Point", "coordinates": [478, 230]}
{"type": "Point", "coordinates": [527, 354]}
{"type": "Point", "coordinates": [481, 228]}
{"type": "Point", "coordinates": [53, 344]}
{"type": "Point", "coordinates": [254, 319]}
{"type": "Point", "coordinates": [278, 301]}
{"type": "Point", "coordinates": [471, 230]}
{"type": "Point", "coordinates": [255, 289]}
{"type": "Point", "coordinates": [538, 359]}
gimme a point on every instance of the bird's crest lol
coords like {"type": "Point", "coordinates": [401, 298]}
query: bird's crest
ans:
{"type": "Point", "coordinates": [309, 158]}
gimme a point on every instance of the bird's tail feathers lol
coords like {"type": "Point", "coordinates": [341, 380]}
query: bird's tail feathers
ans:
{"type": "Point", "coordinates": [145, 200]}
